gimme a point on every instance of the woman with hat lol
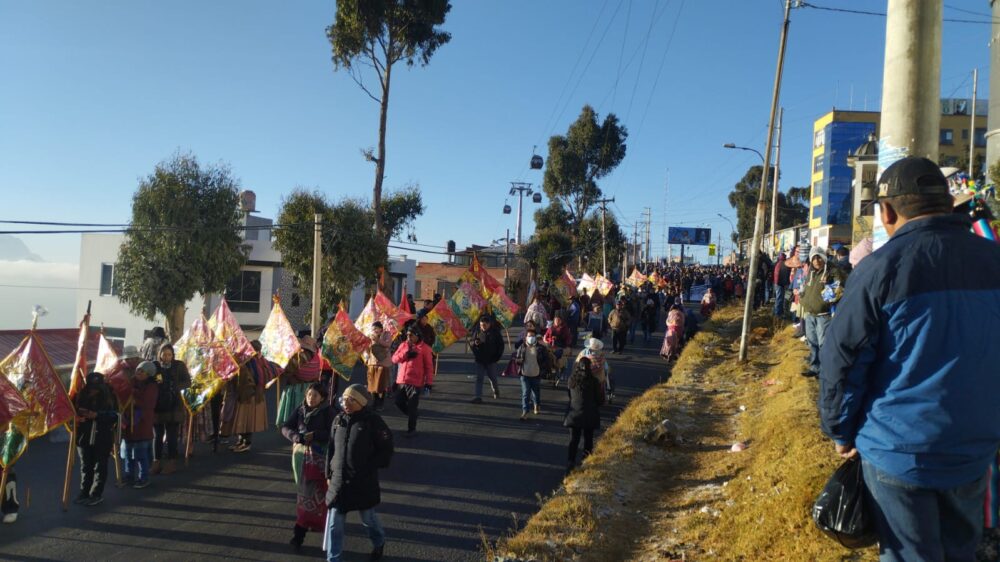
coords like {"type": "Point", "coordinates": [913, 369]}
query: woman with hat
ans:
{"type": "Point", "coordinates": [593, 351]}
{"type": "Point", "coordinates": [583, 417]}
{"type": "Point", "coordinates": [308, 428]}
{"type": "Point", "coordinates": [378, 362]}
{"type": "Point", "coordinates": [172, 377]}
{"type": "Point", "coordinates": [360, 444]}
{"type": "Point", "coordinates": [304, 369]}
{"type": "Point", "coordinates": [416, 373]}
{"type": "Point", "coordinates": [675, 330]}
{"type": "Point", "coordinates": [97, 412]}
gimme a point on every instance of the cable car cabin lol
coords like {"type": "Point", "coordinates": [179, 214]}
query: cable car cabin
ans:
{"type": "Point", "coordinates": [506, 209]}
{"type": "Point", "coordinates": [536, 198]}
{"type": "Point", "coordinates": [536, 162]}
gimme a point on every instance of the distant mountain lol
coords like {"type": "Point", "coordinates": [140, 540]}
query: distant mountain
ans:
{"type": "Point", "coordinates": [13, 249]}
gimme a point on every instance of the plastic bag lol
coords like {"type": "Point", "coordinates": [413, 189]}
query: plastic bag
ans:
{"type": "Point", "coordinates": [840, 510]}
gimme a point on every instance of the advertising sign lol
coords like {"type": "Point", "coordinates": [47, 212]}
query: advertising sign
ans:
{"type": "Point", "coordinates": [689, 236]}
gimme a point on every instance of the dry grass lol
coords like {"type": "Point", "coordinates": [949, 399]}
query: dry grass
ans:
{"type": "Point", "coordinates": [636, 501]}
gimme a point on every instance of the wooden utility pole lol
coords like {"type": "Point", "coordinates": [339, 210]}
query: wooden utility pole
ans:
{"type": "Point", "coordinates": [604, 233]}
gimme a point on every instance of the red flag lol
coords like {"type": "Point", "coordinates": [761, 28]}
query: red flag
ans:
{"type": "Point", "coordinates": [31, 372]}
{"type": "Point", "coordinates": [78, 376]}
{"type": "Point", "coordinates": [343, 344]}
{"type": "Point", "coordinates": [113, 368]}
{"type": "Point", "coordinates": [404, 303]}
{"type": "Point", "coordinates": [226, 328]}
{"type": "Point", "coordinates": [11, 402]}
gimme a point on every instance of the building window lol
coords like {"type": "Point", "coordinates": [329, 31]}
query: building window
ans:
{"type": "Point", "coordinates": [108, 285]}
{"type": "Point", "coordinates": [114, 335]}
{"type": "Point", "coordinates": [818, 164]}
{"type": "Point", "coordinates": [243, 292]}
{"type": "Point", "coordinates": [965, 134]}
{"type": "Point", "coordinates": [947, 136]}
{"type": "Point", "coordinates": [980, 139]}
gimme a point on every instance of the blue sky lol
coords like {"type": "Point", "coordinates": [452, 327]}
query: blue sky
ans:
{"type": "Point", "coordinates": [96, 93]}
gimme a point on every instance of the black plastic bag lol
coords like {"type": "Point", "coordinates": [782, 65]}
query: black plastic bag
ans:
{"type": "Point", "coordinates": [840, 510]}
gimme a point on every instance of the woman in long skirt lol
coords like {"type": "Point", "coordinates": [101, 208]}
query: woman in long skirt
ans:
{"type": "Point", "coordinates": [250, 414]}
{"type": "Point", "coordinates": [309, 431]}
{"type": "Point", "coordinates": [303, 370]}
{"type": "Point", "coordinates": [675, 328]}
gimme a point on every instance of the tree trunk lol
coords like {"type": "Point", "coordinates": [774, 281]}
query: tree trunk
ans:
{"type": "Point", "coordinates": [380, 162]}
{"type": "Point", "coordinates": [175, 323]}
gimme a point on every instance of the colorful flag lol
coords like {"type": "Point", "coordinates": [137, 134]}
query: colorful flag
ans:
{"type": "Point", "coordinates": [468, 304]}
{"type": "Point", "coordinates": [503, 308]}
{"type": "Point", "coordinates": [31, 372]}
{"type": "Point", "coordinates": [656, 280]}
{"type": "Point", "coordinates": [208, 361]}
{"type": "Point", "coordinates": [488, 282]}
{"type": "Point", "coordinates": [447, 326]}
{"type": "Point", "coordinates": [13, 407]}
{"type": "Point", "coordinates": [564, 287]}
{"type": "Point", "coordinates": [278, 343]}
{"type": "Point", "coordinates": [381, 308]}
{"type": "Point", "coordinates": [404, 303]}
{"type": "Point", "coordinates": [78, 376]}
{"type": "Point", "coordinates": [110, 365]}
{"type": "Point", "coordinates": [343, 344]}
{"type": "Point", "coordinates": [603, 285]}
{"type": "Point", "coordinates": [636, 279]}
{"type": "Point", "coordinates": [586, 284]}
{"type": "Point", "coordinates": [532, 289]}
{"type": "Point", "coordinates": [227, 328]}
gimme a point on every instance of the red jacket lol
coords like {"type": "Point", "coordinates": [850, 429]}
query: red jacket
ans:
{"type": "Point", "coordinates": [138, 417]}
{"type": "Point", "coordinates": [417, 371]}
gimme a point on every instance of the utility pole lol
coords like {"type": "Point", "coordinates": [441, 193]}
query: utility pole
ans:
{"type": "Point", "coordinates": [520, 188]}
{"type": "Point", "coordinates": [761, 202]}
{"type": "Point", "coordinates": [972, 126]}
{"type": "Point", "coordinates": [635, 244]}
{"type": "Point", "coordinates": [718, 249]}
{"type": "Point", "coordinates": [604, 231]}
{"type": "Point", "coordinates": [649, 218]}
{"type": "Point", "coordinates": [911, 111]}
{"type": "Point", "coordinates": [314, 319]}
{"type": "Point", "coordinates": [777, 176]}
{"type": "Point", "coordinates": [506, 261]}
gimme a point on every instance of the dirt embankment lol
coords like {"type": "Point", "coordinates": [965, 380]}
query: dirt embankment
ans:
{"type": "Point", "coordinates": [697, 499]}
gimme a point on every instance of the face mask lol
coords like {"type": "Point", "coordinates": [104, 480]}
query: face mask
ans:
{"type": "Point", "coordinates": [531, 340]}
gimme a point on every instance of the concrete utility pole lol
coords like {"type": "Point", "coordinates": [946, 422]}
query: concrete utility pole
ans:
{"type": "Point", "coordinates": [911, 106]}
{"type": "Point", "coordinates": [972, 126]}
{"type": "Point", "coordinates": [506, 261]}
{"type": "Point", "coordinates": [761, 201]}
{"type": "Point", "coordinates": [993, 115]}
{"type": "Point", "coordinates": [604, 231]}
{"type": "Point", "coordinates": [777, 176]}
{"type": "Point", "coordinates": [314, 319]}
{"type": "Point", "coordinates": [649, 220]}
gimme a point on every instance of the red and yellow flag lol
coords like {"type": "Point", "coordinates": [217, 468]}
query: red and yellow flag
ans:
{"type": "Point", "coordinates": [227, 328]}
{"type": "Point", "coordinates": [603, 284]}
{"type": "Point", "coordinates": [636, 279]}
{"type": "Point", "coordinates": [381, 308]}
{"type": "Point", "coordinates": [208, 361]}
{"type": "Point", "coordinates": [31, 372]}
{"type": "Point", "coordinates": [468, 304]}
{"type": "Point", "coordinates": [447, 326]}
{"type": "Point", "coordinates": [278, 343]}
{"type": "Point", "coordinates": [78, 376]}
{"type": "Point", "coordinates": [110, 365]}
{"type": "Point", "coordinates": [343, 344]}
{"type": "Point", "coordinates": [564, 287]}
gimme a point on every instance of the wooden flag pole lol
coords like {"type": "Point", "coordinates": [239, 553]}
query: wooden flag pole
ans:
{"type": "Point", "coordinates": [114, 452]}
{"type": "Point", "coordinates": [3, 483]}
{"type": "Point", "coordinates": [190, 437]}
{"type": "Point", "coordinates": [69, 466]}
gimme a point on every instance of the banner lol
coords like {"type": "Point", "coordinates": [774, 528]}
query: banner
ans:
{"type": "Point", "coordinates": [381, 308]}
{"type": "Point", "coordinates": [498, 302]}
{"type": "Point", "coordinates": [564, 288]}
{"type": "Point", "coordinates": [12, 407]}
{"type": "Point", "coordinates": [447, 326]}
{"type": "Point", "coordinates": [587, 284]}
{"type": "Point", "coordinates": [77, 376]}
{"type": "Point", "coordinates": [636, 279]}
{"type": "Point", "coordinates": [227, 329]}
{"type": "Point", "coordinates": [468, 304]}
{"type": "Point", "coordinates": [208, 361]}
{"type": "Point", "coordinates": [343, 344]}
{"type": "Point", "coordinates": [278, 343]}
{"type": "Point", "coordinates": [656, 280]}
{"type": "Point", "coordinates": [110, 365]}
{"type": "Point", "coordinates": [603, 285]}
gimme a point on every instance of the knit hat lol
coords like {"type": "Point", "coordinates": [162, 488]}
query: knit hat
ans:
{"type": "Point", "coordinates": [595, 344]}
{"type": "Point", "coordinates": [358, 393]}
{"type": "Point", "coordinates": [147, 367]}
{"type": "Point", "coordinates": [817, 251]}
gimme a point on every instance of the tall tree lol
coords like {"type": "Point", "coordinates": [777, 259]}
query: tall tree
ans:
{"type": "Point", "coordinates": [588, 152]}
{"type": "Point", "coordinates": [590, 247]}
{"type": "Point", "coordinates": [743, 199]}
{"type": "Point", "coordinates": [377, 35]}
{"type": "Point", "coordinates": [399, 210]}
{"type": "Point", "coordinates": [351, 250]}
{"type": "Point", "coordinates": [793, 207]}
{"type": "Point", "coordinates": [183, 239]}
{"type": "Point", "coordinates": [550, 250]}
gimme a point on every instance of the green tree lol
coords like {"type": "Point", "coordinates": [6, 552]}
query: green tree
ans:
{"type": "Point", "coordinates": [590, 249]}
{"type": "Point", "coordinates": [552, 215]}
{"type": "Point", "coordinates": [183, 239]}
{"type": "Point", "coordinates": [588, 152]}
{"type": "Point", "coordinates": [743, 199]}
{"type": "Point", "coordinates": [351, 250]}
{"type": "Point", "coordinates": [399, 210]}
{"type": "Point", "coordinates": [793, 207]}
{"type": "Point", "coordinates": [377, 35]}
{"type": "Point", "coordinates": [550, 250]}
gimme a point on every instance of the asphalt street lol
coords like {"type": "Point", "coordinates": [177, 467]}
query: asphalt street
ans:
{"type": "Point", "coordinates": [473, 470]}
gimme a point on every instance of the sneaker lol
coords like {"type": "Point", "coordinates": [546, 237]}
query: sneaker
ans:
{"type": "Point", "coordinates": [524, 416]}
{"type": "Point", "coordinates": [537, 410]}
{"type": "Point", "coordinates": [477, 400]}
{"type": "Point", "coordinates": [377, 552]}
{"type": "Point", "coordinates": [10, 518]}
{"type": "Point", "coordinates": [141, 484]}
{"type": "Point", "coordinates": [96, 500]}
{"type": "Point", "coordinates": [81, 499]}
{"type": "Point", "coordinates": [496, 393]}
{"type": "Point", "coordinates": [241, 448]}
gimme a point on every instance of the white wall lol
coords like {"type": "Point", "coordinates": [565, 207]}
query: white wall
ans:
{"type": "Point", "coordinates": [397, 264]}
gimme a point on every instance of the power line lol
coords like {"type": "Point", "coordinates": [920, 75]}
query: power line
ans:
{"type": "Point", "coordinates": [883, 14]}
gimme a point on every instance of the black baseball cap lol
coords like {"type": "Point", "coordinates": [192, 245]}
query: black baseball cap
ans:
{"type": "Point", "coordinates": [912, 175]}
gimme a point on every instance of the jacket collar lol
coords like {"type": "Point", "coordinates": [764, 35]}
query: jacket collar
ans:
{"type": "Point", "coordinates": [935, 222]}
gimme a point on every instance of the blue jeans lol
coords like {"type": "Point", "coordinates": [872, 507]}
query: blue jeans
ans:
{"type": "Point", "coordinates": [779, 302]}
{"type": "Point", "coordinates": [136, 456]}
{"type": "Point", "coordinates": [923, 524]}
{"type": "Point", "coordinates": [335, 521]}
{"type": "Point", "coordinates": [631, 331]}
{"type": "Point", "coordinates": [815, 334]}
{"type": "Point", "coordinates": [486, 371]}
{"type": "Point", "coordinates": [531, 392]}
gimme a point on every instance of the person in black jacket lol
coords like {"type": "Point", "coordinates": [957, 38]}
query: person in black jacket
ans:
{"type": "Point", "coordinates": [585, 399]}
{"type": "Point", "coordinates": [360, 444]}
{"type": "Point", "coordinates": [97, 410]}
{"type": "Point", "coordinates": [487, 348]}
{"type": "Point", "coordinates": [308, 428]}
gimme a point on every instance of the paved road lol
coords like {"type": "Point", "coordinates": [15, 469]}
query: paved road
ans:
{"type": "Point", "coordinates": [472, 470]}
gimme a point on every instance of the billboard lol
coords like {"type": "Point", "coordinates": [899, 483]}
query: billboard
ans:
{"type": "Point", "coordinates": [689, 236]}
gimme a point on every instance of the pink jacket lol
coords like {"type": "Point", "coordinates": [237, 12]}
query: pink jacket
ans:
{"type": "Point", "coordinates": [417, 371]}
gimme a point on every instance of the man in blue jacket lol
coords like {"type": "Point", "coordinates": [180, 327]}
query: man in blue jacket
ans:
{"type": "Point", "coordinates": [909, 374]}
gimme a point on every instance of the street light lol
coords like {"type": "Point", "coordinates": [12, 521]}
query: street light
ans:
{"type": "Point", "coordinates": [754, 150]}
{"type": "Point", "coordinates": [732, 232]}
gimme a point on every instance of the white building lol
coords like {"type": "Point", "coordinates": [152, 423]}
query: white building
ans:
{"type": "Point", "coordinates": [248, 295]}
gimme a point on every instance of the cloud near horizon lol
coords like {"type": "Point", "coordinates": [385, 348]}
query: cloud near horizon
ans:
{"type": "Point", "coordinates": [24, 284]}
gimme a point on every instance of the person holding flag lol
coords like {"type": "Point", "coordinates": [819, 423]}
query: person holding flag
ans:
{"type": "Point", "coordinates": [378, 362]}
{"type": "Point", "coordinates": [487, 348]}
{"type": "Point", "coordinates": [172, 377]}
{"type": "Point", "coordinates": [97, 412]}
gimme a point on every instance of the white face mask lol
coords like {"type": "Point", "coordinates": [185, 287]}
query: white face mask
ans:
{"type": "Point", "coordinates": [531, 340]}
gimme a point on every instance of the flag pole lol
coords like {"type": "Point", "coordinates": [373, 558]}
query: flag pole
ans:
{"type": "Point", "coordinates": [114, 452]}
{"type": "Point", "coordinates": [3, 483]}
{"type": "Point", "coordinates": [190, 436]}
{"type": "Point", "coordinates": [69, 466]}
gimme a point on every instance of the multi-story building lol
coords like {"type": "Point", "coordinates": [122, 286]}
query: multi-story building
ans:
{"type": "Point", "coordinates": [837, 134]}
